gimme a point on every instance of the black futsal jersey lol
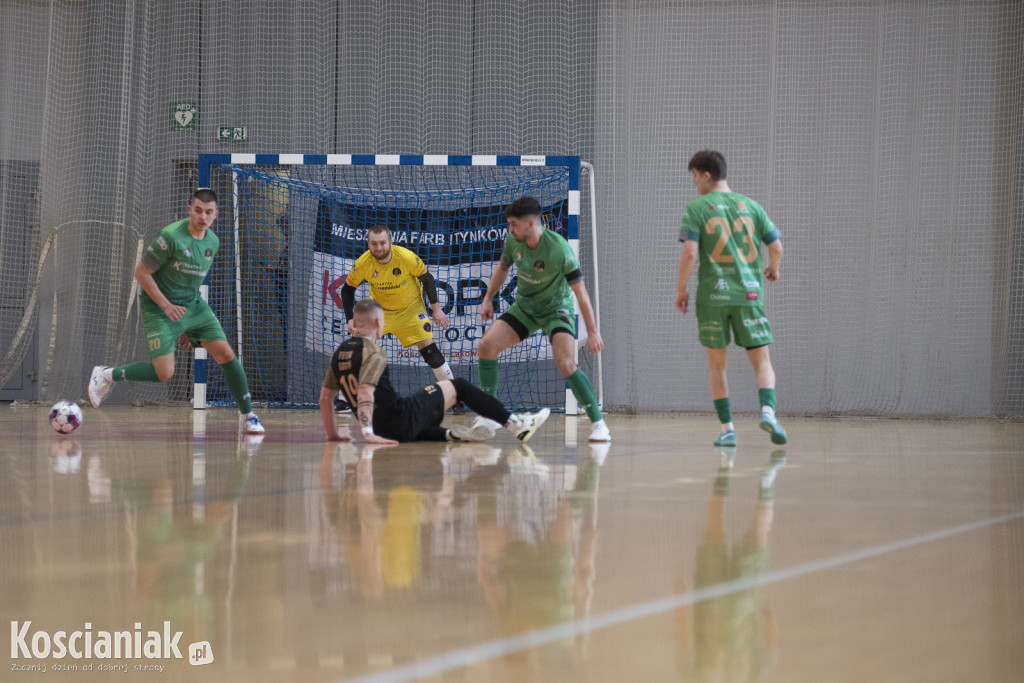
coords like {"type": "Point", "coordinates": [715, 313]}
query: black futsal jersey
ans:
{"type": "Point", "coordinates": [360, 361]}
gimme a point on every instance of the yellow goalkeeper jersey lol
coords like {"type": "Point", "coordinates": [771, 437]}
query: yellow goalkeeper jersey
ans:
{"type": "Point", "coordinates": [394, 285]}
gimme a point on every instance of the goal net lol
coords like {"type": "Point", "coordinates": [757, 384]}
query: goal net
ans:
{"type": "Point", "coordinates": [292, 226]}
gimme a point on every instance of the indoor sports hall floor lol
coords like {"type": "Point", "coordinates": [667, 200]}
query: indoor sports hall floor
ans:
{"type": "Point", "coordinates": [865, 550]}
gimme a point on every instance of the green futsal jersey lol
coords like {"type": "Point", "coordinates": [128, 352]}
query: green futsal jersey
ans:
{"type": "Point", "coordinates": [180, 262]}
{"type": "Point", "coordinates": [544, 273]}
{"type": "Point", "coordinates": [729, 229]}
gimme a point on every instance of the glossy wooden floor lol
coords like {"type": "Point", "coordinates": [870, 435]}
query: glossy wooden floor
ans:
{"type": "Point", "coordinates": [865, 550]}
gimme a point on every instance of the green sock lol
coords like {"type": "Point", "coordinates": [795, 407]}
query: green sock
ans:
{"type": "Point", "coordinates": [584, 394]}
{"type": "Point", "coordinates": [724, 410]}
{"type": "Point", "coordinates": [136, 372]}
{"type": "Point", "coordinates": [489, 376]}
{"type": "Point", "coordinates": [767, 397]}
{"type": "Point", "coordinates": [238, 385]}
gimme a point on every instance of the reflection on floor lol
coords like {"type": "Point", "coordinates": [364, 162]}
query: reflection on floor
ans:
{"type": "Point", "coordinates": [877, 550]}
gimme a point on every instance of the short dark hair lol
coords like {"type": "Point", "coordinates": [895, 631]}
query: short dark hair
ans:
{"type": "Point", "coordinates": [709, 161]}
{"type": "Point", "coordinates": [378, 228]}
{"type": "Point", "coordinates": [524, 206]}
{"type": "Point", "coordinates": [367, 306]}
{"type": "Point", "coordinates": [204, 195]}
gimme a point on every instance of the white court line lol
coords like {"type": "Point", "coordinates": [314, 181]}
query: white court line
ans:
{"type": "Point", "coordinates": [432, 666]}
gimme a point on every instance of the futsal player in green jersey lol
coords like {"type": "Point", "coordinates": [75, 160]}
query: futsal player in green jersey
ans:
{"type": "Point", "coordinates": [725, 229]}
{"type": "Point", "coordinates": [547, 272]}
{"type": "Point", "coordinates": [170, 274]}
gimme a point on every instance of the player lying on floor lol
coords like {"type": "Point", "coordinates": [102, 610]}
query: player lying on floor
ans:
{"type": "Point", "coordinates": [359, 370]}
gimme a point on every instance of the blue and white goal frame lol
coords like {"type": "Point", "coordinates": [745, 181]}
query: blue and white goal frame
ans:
{"type": "Point", "coordinates": [571, 163]}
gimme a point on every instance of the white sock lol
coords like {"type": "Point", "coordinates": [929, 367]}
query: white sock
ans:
{"type": "Point", "coordinates": [443, 372]}
{"type": "Point", "coordinates": [768, 410]}
{"type": "Point", "coordinates": [513, 424]}
{"type": "Point", "coordinates": [727, 426]}
{"type": "Point", "coordinates": [107, 374]}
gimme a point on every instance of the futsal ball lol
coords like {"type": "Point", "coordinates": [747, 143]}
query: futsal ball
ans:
{"type": "Point", "coordinates": [65, 417]}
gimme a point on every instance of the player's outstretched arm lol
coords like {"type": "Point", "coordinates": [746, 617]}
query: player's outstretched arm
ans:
{"type": "Point", "coordinates": [144, 276]}
{"type": "Point", "coordinates": [498, 278]}
{"type": "Point", "coordinates": [364, 410]}
{"type": "Point", "coordinates": [686, 261]}
{"type": "Point", "coordinates": [327, 416]}
{"type": "Point", "coordinates": [594, 342]}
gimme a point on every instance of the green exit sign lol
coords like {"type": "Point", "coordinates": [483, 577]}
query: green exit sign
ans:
{"type": "Point", "coordinates": [231, 133]}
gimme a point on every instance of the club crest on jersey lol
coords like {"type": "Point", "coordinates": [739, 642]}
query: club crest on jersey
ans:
{"type": "Point", "coordinates": [375, 273]}
{"type": "Point", "coordinates": [519, 256]}
{"type": "Point", "coordinates": [188, 252]}
{"type": "Point", "coordinates": [396, 271]}
{"type": "Point", "coordinates": [538, 265]}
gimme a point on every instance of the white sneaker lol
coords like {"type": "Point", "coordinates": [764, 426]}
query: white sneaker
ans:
{"type": "Point", "coordinates": [462, 433]}
{"type": "Point", "coordinates": [99, 386]}
{"type": "Point", "coordinates": [528, 423]}
{"type": "Point", "coordinates": [251, 424]}
{"type": "Point", "coordinates": [484, 428]}
{"type": "Point", "coordinates": [599, 432]}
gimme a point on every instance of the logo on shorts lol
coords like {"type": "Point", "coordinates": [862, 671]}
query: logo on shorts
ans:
{"type": "Point", "coordinates": [538, 265]}
{"type": "Point", "coordinates": [755, 321]}
{"type": "Point", "coordinates": [752, 296]}
{"type": "Point", "coordinates": [422, 315]}
{"type": "Point", "coordinates": [208, 254]}
{"type": "Point", "coordinates": [426, 327]}
{"type": "Point", "coordinates": [396, 271]}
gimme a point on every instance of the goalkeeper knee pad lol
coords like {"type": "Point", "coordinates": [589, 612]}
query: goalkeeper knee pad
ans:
{"type": "Point", "coordinates": [432, 355]}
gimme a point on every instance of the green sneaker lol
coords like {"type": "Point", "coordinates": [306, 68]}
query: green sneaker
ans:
{"type": "Point", "coordinates": [772, 426]}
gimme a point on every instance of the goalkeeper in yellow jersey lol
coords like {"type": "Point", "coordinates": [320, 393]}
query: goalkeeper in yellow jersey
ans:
{"type": "Point", "coordinates": [398, 278]}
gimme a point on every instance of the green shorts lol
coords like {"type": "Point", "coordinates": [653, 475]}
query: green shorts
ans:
{"type": "Point", "coordinates": [199, 324]}
{"type": "Point", "coordinates": [562, 318]}
{"type": "Point", "coordinates": [749, 326]}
